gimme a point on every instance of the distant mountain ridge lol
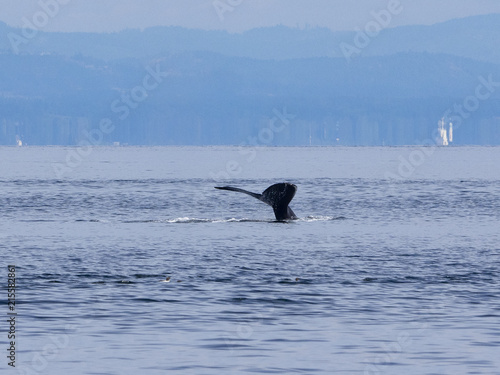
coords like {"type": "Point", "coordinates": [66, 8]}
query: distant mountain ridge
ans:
{"type": "Point", "coordinates": [221, 88]}
{"type": "Point", "coordinates": [215, 99]}
{"type": "Point", "coordinates": [475, 37]}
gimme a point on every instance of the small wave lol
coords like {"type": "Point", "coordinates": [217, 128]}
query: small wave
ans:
{"type": "Point", "coordinates": [322, 218]}
{"type": "Point", "coordinates": [169, 221]}
{"type": "Point", "coordinates": [184, 220]}
{"type": "Point", "coordinates": [91, 221]}
{"type": "Point", "coordinates": [246, 220]}
{"type": "Point", "coordinates": [38, 220]}
{"type": "Point", "coordinates": [191, 220]}
{"type": "Point", "coordinates": [180, 220]}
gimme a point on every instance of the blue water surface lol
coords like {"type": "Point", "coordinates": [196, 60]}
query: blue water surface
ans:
{"type": "Point", "coordinates": [392, 268]}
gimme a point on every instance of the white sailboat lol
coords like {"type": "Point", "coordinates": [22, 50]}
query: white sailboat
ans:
{"type": "Point", "coordinates": [445, 136]}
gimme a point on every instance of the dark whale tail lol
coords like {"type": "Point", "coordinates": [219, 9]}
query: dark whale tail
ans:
{"type": "Point", "coordinates": [278, 196]}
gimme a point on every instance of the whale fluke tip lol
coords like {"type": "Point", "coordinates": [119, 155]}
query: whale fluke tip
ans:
{"type": "Point", "coordinates": [278, 196]}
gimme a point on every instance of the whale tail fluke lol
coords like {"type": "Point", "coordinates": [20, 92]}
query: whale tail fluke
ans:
{"type": "Point", "coordinates": [278, 196]}
{"type": "Point", "coordinates": [230, 188]}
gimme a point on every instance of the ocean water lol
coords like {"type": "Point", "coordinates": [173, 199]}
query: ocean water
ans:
{"type": "Point", "coordinates": [392, 268]}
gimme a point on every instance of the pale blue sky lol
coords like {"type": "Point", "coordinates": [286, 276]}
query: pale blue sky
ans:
{"type": "Point", "coordinates": [113, 15]}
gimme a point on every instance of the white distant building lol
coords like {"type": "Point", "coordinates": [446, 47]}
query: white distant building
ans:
{"type": "Point", "coordinates": [445, 136]}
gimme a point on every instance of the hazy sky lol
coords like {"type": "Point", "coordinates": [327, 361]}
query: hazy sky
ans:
{"type": "Point", "coordinates": [113, 15]}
